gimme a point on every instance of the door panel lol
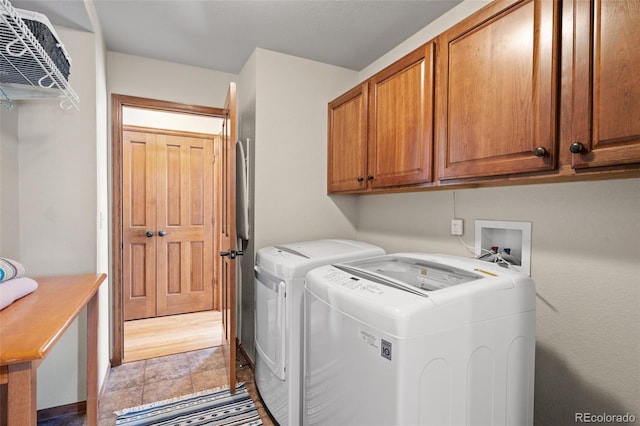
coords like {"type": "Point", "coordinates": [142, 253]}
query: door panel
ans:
{"type": "Point", "coordinates": [228, 234]}
{"type": "Point", "coordinates": [185, 252]}
{"type": "Point", "coordinates": [139, 217]}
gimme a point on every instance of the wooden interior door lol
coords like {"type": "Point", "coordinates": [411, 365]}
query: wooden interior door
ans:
{"type": "Point", "coordinates": [227, 269]}
{"type": "Point", "coordinates": [138, 224]}
{"type": "Point", "coordinates": [168, 223]}
{"type": "Point", "coordinates": [184, 242]}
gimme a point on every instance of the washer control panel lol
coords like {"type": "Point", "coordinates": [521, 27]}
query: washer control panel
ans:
{"type": "Point", "coordinates": [350, 282]}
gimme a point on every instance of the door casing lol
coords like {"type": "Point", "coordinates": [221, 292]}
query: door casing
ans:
{"type": "Point", "coordinates": [117, 103]}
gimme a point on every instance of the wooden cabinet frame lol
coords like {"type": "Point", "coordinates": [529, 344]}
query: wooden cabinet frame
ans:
{"type": "Point", "coordinates": [380, 133]}
{"type": "Point", "coordinates": [566, 78]}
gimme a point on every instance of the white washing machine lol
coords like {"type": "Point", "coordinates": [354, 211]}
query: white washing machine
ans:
{"type": "Point", "coordinates": [280, 272]}
{"type": "Point", "coordinates": [418, 339]}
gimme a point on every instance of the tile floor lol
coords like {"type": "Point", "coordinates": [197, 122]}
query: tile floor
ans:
{"type": "Point", "coordinates": [141, 382]}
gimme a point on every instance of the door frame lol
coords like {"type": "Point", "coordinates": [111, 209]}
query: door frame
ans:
{"type": "Point", "coordinates": [117, 103]}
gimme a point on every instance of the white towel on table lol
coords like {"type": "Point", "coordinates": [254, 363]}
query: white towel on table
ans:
{"type": "Point", "coordinates": [14, 289]}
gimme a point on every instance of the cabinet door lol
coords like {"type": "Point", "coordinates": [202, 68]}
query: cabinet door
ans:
{"type": "Point", "coordinates": [606, 87]}
{"type": "Point", "coordinates": [497, 91]}
{"type": "Point", "coordinates": [347, 145]}
{"type": "Point", "coordinates": [401, 121]}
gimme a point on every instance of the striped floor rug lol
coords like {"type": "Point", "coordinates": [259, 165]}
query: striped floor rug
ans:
{"type": "Point", "coordinates": [215, 407]}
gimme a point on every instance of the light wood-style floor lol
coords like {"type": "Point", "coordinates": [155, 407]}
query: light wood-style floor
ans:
{"type": "Point", "coordinates": [156, 337]}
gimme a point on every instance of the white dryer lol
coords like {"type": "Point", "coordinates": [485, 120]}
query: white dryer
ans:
{"type": "Point", "coordinates": [279, 276]}
{"type": "Point", "coordinates": [418, 339]}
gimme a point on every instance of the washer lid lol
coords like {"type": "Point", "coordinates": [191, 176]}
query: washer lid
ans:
{"type": "Point", "coordinates": [328, 249]}
{"type": "Point", "coordinates": [419, 276]}
{"type": "Point", "coordinates": [296, 259]}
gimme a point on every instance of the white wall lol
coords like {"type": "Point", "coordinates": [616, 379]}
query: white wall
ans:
{"type": "Point", "coordinates": [102, 198]}
{"type": "Point", "coordinates": [291, 151]}
{"type": "Point", "coordinates": [9, 184]}
{"type": "Point", "coordinates": [57, 204]}
{"type": "Point", "coordinates": [166, 81]}
{"type": "Point", "coordinates": [283, 111]}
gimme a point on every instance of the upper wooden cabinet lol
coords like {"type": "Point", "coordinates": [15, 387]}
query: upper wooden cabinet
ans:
{"type": "Point", "coordinates": [401, 121]}
{"type": "Point", "coordinates": [347, 130]}
{"type": "Point", "coordinates": [606, 83]}
{"type": "Point", "coordinates": [521, 91]}
{"type": "Point", "coordinates": [497, 85]}
{"type": "Point", "coordinates": [381, 132]}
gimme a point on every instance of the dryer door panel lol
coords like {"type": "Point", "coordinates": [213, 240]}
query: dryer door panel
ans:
{"type": "Point", "coordinates": [270, 322]}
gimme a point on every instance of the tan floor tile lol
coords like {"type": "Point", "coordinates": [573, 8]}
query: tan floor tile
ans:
{"type": "Point", "coordinates": [167, 370]}
{"type": "Point", "coordinates": [109, 421]}
{"type": "Point", "coordinates": [209, 379]}
{"type": "Point", "coordinates": [118, 400]}
{"type": "Point", "coordinates": [125, 376]}
{"type": "Point", "coordinates": [207, 359]}
{"type": "Point", "coordinates": [179, 359]}
{"type": "Point", "coordinates": [166, 389]}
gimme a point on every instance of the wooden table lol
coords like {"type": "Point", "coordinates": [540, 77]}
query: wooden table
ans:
{"type": "Point", "coordinates": [31, 326]}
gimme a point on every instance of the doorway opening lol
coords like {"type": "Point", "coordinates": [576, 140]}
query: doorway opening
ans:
{"type": "Point", "coordinates": [155, 337]}
{"type": "Point", "coordinates": [166, 201]}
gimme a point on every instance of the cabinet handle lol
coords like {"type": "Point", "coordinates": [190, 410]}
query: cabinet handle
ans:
{"type": "Point", "coordinates": [576, 147]}
{"type": "Point", "coordinates": [369, 177]}
{"type": "Point", "coordinates": [540, 151]}
{"type": "Point", "coordinates": [149, 234]}
{"type": "Point", "coordinates": [360, 179]}
{"type": "Point", "coordinates": [162, 232]}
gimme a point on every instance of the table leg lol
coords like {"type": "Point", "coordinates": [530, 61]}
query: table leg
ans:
{"type": "Point", "coordinates": [21, 394]}
{"type": "Point", "coordinates": [3, 404]}
{"type": "Point", "coordinates": [92, 361]}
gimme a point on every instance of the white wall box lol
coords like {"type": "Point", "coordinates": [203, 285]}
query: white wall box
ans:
{"type": "Point", "coordinates": [509, 239]}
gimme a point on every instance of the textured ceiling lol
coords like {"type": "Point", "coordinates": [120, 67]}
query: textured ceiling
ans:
{"type": "Point", "coordinates": [222, 34]}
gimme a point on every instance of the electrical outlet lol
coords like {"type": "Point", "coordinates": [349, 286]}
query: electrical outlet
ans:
{"type": "Point", "coordinates": [457, 227]}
